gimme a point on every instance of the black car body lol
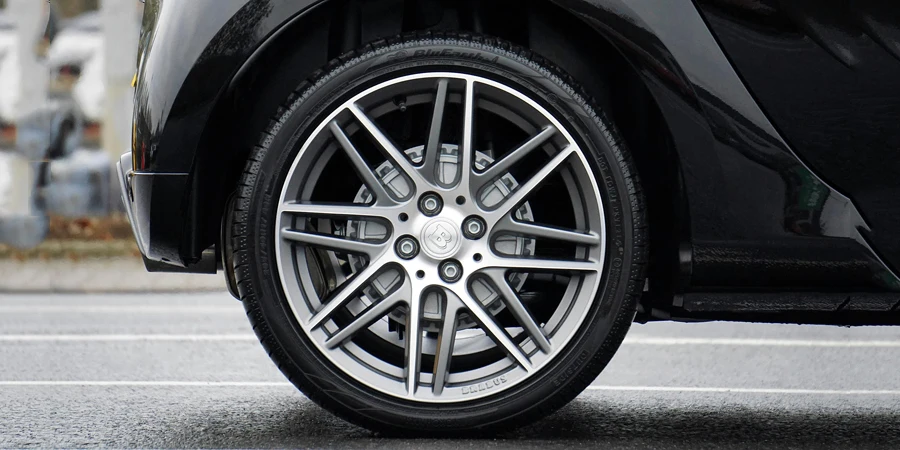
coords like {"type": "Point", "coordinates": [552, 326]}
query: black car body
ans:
{"type": "Point", "coordinates": [781, 122]}
{"type": "Point", "coordinates": [764, 133]}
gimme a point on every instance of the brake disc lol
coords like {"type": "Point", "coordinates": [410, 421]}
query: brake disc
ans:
{"type": "Point", "coordinates": [448, 163]}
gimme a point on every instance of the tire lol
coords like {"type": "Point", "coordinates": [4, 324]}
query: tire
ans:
{"type": "Point", "coordinates": [271, 297]}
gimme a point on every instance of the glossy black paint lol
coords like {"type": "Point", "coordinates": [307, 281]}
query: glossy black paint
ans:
{"type": "Point", "coordinates": [189, 54]}
{"type": "Point", "coordinates": [745, 186]}
{"type": "Point", "coordinates": [828, 74]}
{"type": "Point", "coordinates": [757, 217]}
{"type": "Point", "coordinates": [153, 194]}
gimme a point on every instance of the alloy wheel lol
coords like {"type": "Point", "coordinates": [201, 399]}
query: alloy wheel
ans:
{"type": "Point", "coordinates": [431, 283]}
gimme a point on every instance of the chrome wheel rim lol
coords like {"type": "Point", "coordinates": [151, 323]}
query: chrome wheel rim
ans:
{"type": "Point", "coordinates": [446, 245]}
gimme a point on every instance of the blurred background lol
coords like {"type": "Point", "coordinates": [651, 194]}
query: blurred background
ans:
{"type": "Point", "coordinates": [66, 68]}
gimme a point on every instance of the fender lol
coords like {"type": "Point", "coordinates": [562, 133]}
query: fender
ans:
{"type": "Point", "coordinates": [729, 151]}
{"type": "Point", "coordinates": [188, 54]}
{"type": "Point", "coordinates": [182, 71]}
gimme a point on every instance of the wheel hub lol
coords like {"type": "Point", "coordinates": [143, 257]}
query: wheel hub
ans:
{"type": "Point", "coordinates": [447, 166]}
{"type": "Point", "coordinates": [440, 238]}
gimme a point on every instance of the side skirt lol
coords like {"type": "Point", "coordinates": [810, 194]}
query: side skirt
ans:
{"type": "Point", "coordinates": [829, 308]}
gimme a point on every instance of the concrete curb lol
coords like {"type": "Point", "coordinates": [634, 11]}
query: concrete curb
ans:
{"type": "Point", "coordinates": [73, 249]}
{"type": "Point", "coordinates": [121, 274]}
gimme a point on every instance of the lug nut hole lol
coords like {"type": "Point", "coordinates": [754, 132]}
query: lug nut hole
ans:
{"type": "Point", "coordinates": [474, 228]}
{"type": "Point", "coordinates": [430, 204]}
{"type": "Point", "coordinates": [450, 271]}
{"type": "Point", "coordinates": [407, 247]}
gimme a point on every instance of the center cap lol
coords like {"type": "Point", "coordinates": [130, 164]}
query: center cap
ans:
{"type": "Point", "coordinates": [440, 238]}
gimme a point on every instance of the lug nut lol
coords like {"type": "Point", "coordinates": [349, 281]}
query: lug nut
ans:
{"type": "Point", "coordinates": [430, 204]}
{"type": "Point", "coordinates": [474, 228]}
{"type": "Point", "coordinates": [407, 247]}
{"type": "Point", "coordinates": [450, 271]}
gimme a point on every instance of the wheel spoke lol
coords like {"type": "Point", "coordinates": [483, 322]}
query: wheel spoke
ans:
{"type": "Point", "coordinates": [339, 211]}
{"type": "Point", "coordinates": [345, 293]}
{"type": "Point", "coordinates": [522, 192]}
{"type": "Point", "coordinates": [511, 225]}
{"type": "Point", "coordinates": [370, 315]}
{"type": "Point", "coordinates": [368, 176]}
{"type": "Point", "coordinates": [397, 158]}
{"type": "Point", "coordinates": [446, 338]}
{"type": "Point", "coordinates": [495, 331]}
{"type": "Point", "coordinates": [333, 242]}
{"type": "Point", "coordinates": [524, 264]}
{"type": "Point", "coordinates": [518, 310]}
{"type": "Point", "coordinates": [413, 342]}
{"type": "Point", "coordinates": [498, 168]}
{"type": "Point", "coordinates": [433, 145]}
{"type": "Point", "coordinates": [468, 135]}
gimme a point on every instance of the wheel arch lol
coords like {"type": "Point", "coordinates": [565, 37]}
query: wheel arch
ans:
{"type": "Point", "coordinates": [606, 71]}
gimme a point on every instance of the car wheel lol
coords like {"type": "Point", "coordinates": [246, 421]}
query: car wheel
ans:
{"type": "Point", "coordinates": [440, 232]}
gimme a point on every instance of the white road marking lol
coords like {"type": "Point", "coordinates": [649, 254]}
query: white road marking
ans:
{"type": "Point", "coordinates": [652, 340]}
{"type": "Point", "coordinates": [148, 383]}
{"type": "Point", "coordinates": [123, 337]}
{"type": "Point", "coordinates": [268, 384]}
{"type": "Point", "coordinates": [635, 340]}
{"type": "Point", "coordinates": [726, 390]}
{"type": "Point", "coordinates": [119, 309]}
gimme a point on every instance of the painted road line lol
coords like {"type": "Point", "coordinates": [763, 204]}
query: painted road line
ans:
{"type": "Point", "coordinates": [66, 383]}
{"type": "Point", "coordinates": [634, 340]}
{"type": "Point", "coordinates": [728, 390]}
{"type": "Point", "coordinates": [124, 337]}
{"type": "Point", "coordinates": [119, 309]}
{"type": "Point", "coordinates": [648, 340]}
{"type": "Point", "coordinates": [270, 384]}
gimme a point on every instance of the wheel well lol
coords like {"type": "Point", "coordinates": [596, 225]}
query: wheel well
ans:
{"type": "Point", "coordinates": [262, 85]}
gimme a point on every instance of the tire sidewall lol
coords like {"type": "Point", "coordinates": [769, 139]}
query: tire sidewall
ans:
{"type": "Point", "coordinates": [608, 317]}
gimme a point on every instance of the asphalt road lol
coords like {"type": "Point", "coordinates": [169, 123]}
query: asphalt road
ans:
{"type": "Point", "coordinates": [184, 371]}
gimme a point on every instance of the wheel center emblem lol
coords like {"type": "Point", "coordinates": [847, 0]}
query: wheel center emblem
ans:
{"type": "Point", "coordinates": [440, 238]}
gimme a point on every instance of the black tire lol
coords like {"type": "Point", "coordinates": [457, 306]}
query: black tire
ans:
{"type": "Point", "coordinates": [254, 239]}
